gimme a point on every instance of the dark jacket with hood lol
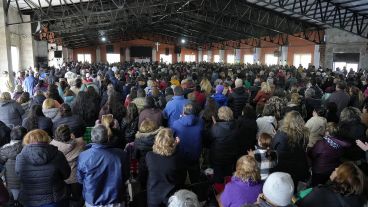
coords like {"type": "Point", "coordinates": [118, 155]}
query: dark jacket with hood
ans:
{"type": "Point", "coordinates": [11, 113]}
{"type": "Point", "coordinates": [224, 149]}
{"type": "Point", "coordinates": [8, 154]}
{"type": "Point", "coordinates": [42, 170]}
{"type": "Point", "coordinates": [237, 100]}
{"type": "Point", "coordinates": [189, 129]}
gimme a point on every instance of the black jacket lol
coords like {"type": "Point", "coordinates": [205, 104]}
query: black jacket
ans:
{"type": "Point", "coordinates": [4, 134]}
{"type": "Point", "coordinates": [237, 100]}
{"type": "Point", "coordinates": [43, 122]}
{"type": "Point", "coordinates": [292, 160]}
{"type": "Point", "coordinates": [75, 123]}
{"type": "Point", "coordinates": [324, 196]}
{"type": "Point", "coordinates": [351, 131]}
{"type": "Point", "coordinates": [248, 130]}
{"type": "Point", "coordinates": [42, 170]}
{"type": "Point", "coordinates": [8, 153]}
{"type": "Point", "coordinates": [225, 143]}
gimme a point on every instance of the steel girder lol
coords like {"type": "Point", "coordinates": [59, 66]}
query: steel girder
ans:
{"type": "Point", "coordinates": [323, 12]}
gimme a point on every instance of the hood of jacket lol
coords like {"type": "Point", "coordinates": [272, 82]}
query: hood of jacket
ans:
{"type": "Point", "coordinates": [12, 149]}
{"type": "Point", "coordinates": [63, 147]}
{"type": "Point", "coordinates": [40, 153]}
{"type": "Point", "coordinates": [3, 103]}
{"type": "Point", "coordinates": [188, 120]}
{"type": "Point", "coordinates": [50, 113]}
{"type": "Point", "coordinates": [140, 135]}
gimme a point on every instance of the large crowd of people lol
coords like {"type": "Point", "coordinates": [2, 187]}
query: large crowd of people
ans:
{"type": "Point", "coordinates": [151, 134]}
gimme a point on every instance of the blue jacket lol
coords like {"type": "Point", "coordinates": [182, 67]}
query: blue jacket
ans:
{"type": "Point", "coordinates": [220, 99]}
{"type": "Point", "coordinates": [174, 108]}
{"type": "Point", "coordinates": [29, 83]}
{"type": "Point", "coordinates": [189, 129]}
{"type": "Point", "coordinates": [103, 171]}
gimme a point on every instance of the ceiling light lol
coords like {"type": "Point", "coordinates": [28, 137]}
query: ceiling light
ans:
{"type": "Point", "coordinates": [103, 39]}
{"type": "Point", "coordinates": [183, 41]}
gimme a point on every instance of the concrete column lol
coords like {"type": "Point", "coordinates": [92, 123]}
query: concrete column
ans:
{"type": "Point", "coordinates": [222, 56]}
{"type": "Point", "coordinates": [154, 55]}
{"type": "Point", "coordinates": [257, 55]}
{"type": "Point", "coordinates": [209, 56]}
{"type": "Point", "coordinates": [283, 60]}
{"type": "Point", "coordinates": [316, 56]}
{"type": "Point", "coordinates": [178, 58]}
{"type": "Point", "coordinates": [237, 56]}
{"type": "Point", "coordinates": [26, 53]}
{"type": "Point", "coordinates": [200, 55]}
{"type": "Point", "coordinates": [5, 47]}
{"type": "Point", "coordinates": [127, 54]}
{"type": "Point", "coordinates": [98, 54]}
{"type": "Point", "coordinates": [65, 54]}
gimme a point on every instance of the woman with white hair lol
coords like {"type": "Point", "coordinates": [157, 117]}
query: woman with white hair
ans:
{"type": "Point", "coordinates": [162, 168]}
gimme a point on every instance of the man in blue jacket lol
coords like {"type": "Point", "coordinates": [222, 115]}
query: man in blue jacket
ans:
{"type": "Point", "coordinates": [189, 128]}
{"type": "Point", "coordinates": [174, 107]}
{"type": "Point", "coordinates": [29, 83]}
{"type": "Point", "coordinates": [103, 171]}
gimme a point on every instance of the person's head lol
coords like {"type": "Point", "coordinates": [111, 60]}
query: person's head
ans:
{"type": "Point", "coordinates": [268, 110]}
{"type": "Point", "coordinates": [238, 83]}
{"type": "Point", "coordinates": [348, 179]}
{"type": "Point", "coordinates": [148, 125]}
{"type": "Point", "coordinates": [65, 110]}
{"type": "Point", "coordinates": [165, 144]}
{"type": "Point", "coordinates": [48, 103]}
{"type": "Point", "coordinates": [295, 98]}
{"type": "Point", "coordinates": [17, 133]}
{"type": "Point", "coordinates": [36, 136]}
{"type": "Point", "coordinates": [108, 121]}
{"type": "Point", "coordinates": [5, 96]}
{"type": "Point", "coordinates": [264, 140]}
{"type": "Point", "coordinates": [68, 92]}
{"type": "Point", "coordinates": [184, 198]}
{"type": "Point", "coordinates": [319, 111]}
{"type": "Point", "coordinates": [225, 113]}
{"type": "Point", "coordinates": [132, 112]}
{"type": "Point", "coordinates": [219, 88]}
{"type": "Point", "coordinates": [309, 93]}
{"type": "Point", "coordinates": [99, 134]}
{"type": "Point", "coordinates": [178, 91]}
{"type": "Point", "coordinates": [332, 129]}
{"type": "Point", "coordinates": [294, 127]}
{"type": "Point", "coordinates": [189, 109]}
{"type": "Point", "coordinates": [331, 107]}
{"type": "Point", "coordinates": [265, 87]}
{"type": "Point", "coordinates": [141, 93]}
{"type": "Point", "coordinates": [149, 102]}
{"type": "Point", "coordinates": [249, 112]}
{"type": "Point", "coordinates": [169, 91]}
{"type": "Point", "coordinates": [78, 83]}
{"type": "Point", "coordinates": [36, 111]}
{"type": "Point", "coordinates": [340, 85]}
{"type": "Point", "coordinates": [24, 98]}
{"type": "Point", "coordinates": [62, 133]}
{"type": "Point", "coordinates": [350, 114]}
{"type": "Point", "coordinates": [278, 189]}
{"type": "Point", "coordinates": [247, 169]}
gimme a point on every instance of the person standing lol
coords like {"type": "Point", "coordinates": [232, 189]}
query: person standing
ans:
{"type": "Point", "coordinates": [102, 170]}
{"type": "Point", "coordinates": [29, 83]}
{"type": "Point", "coordinates": [174, 107]}
{"type": "Point", "coordinates": [238, 98]}
{"type": "Point", "coordinates": [340, 97]}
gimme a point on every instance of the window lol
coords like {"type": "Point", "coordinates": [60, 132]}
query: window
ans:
{"type": "Point", "coordinates": [166, 58]}
{"type": "Point", "coordinates": [271, 59]}
{"type": "Point", "coordinates": [113, 58]}
{"type": "Point", "coordinates": [348, 66]}
{"type": "Point", "coordinates": [216, 58]}
{"type": "Point", "coordinates": [205, 58]}
{"type": "Point", "coordinates": [248, 59]}
{"type": "Point", "coordinates": [84, 58]}
{"type": "Point", "coordinates": [15, 58]}
{"type": "Point", "coordinates": [189, 58]}
{"type": "Point", "coordinates": [302, 59]}
{"type": "Point", "coordinates": [230, 59]}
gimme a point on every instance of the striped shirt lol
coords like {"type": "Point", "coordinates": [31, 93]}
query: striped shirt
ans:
{"type": "Point", "coordinates": [265, 163]}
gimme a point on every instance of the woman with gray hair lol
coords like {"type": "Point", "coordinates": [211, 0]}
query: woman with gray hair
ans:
{"type": "Point", "coordinates": [184, 198]}
{"type": "Point", "coordinates": [352, 129]}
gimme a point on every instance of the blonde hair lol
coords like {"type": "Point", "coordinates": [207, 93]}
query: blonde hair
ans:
{"type": "Point", "coordinates": [295, 98]}
{"type": "Point", "coordinates": [147, 125]}
{"type": "Point", "coordinates": [265, 87]}
{"type": "Point", "coordinates": [165, 143]}
{"type": "Point", "coordinates": [5, 96]}
{"type": "Point", "coordinates": [48, 103]}
{"type": "Point", "coordinates": [294, 127]}
{"type": "Point", "coordinates": [225, 113]}
{"type": "Point", "coordinates": [206, 86]}
{"type": "Point", "coordinates": [107, 121]}
{"type": "Point", "coordinates": [247, 169]}
{"type": "Point", "coordinates": [36, 136]}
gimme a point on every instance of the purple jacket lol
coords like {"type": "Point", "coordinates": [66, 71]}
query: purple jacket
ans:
{"type": "Point", "coordinates": [238, 193]}
{"type": "Point", "coordinates": [326, 154]}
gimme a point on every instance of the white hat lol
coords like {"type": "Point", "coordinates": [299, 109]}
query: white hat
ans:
{"type": "Point", "coordinates": [279, 188]}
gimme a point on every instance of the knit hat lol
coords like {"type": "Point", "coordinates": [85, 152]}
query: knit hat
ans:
{"type": "Point", "coordinates": [219, 88]}
{"type": "Point", "coordinates": [279, 188]}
